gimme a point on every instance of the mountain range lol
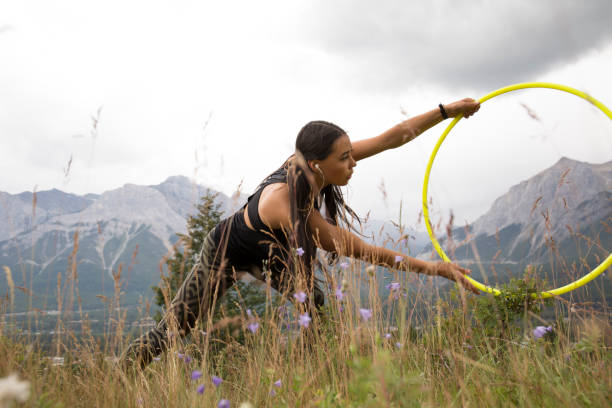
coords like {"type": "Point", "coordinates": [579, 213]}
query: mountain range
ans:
{"type": "Point", "coordinates": [560, 218]}
{"type": "Point", "coordinates": [52, 238]}
{"type": "Point", "coordinates": [133, 227]}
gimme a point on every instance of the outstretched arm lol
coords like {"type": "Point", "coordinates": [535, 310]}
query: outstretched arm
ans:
{"type": "Point", "coordinates": [343, 242]}
{"type": "Point", "coordinates": [409, 129]}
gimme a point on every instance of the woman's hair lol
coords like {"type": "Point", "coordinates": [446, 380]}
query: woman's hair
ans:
{"type": "Point", "coordinates": [314, 142]}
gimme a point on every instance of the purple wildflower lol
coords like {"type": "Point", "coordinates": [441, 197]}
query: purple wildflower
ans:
{"type": "Point", "coordinates": [195, 374]}
{"type": "Point", "coordinates": [304, 320]}
{"type": "Point", "coordinates": [366, 314]}
{"type": "Point", "coordinates": [393, 286]}
{"type": "Point", "coordinates": [216, 381]}
{"type": "Point", "coordinates": [339, 294]}
{"type": "Point", "coordinates": [540, 331]}
{"type": "Point", "coordinates": [299, 251]}
{"type": "Point", "coordinates": [187, 359]}
{"type": "Point", "coordinates": [398, 345]}
{"type": "Point", "coordinates": [344, 265]}
{"type": "Point", "coordinates": [200, 389]}
{"type": "Point", "coordinates": [253, 327]}
{"type": "Point", "coordinates": [277, 383]}
{"type": "Point", "coordinates": [156, 358]}
{"type": "Point", "coordinates": [223, 404]}
{"type": "Point", "coordinates": [398, 258]}
{"type": "Point", "coordinates": [300, 296]}
{"type": "Point", "coordinates": [388, 336]}
{"type": "Point", "coordinates": [272, 393]}
{"type": "Point", "coordinates": [249, 313]}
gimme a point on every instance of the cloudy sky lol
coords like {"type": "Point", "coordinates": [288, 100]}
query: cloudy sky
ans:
{"type": "Point", "coordinates": [97, 94]}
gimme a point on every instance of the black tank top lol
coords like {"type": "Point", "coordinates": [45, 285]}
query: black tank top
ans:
{"type": "Point", "coordinates": [243, 246]}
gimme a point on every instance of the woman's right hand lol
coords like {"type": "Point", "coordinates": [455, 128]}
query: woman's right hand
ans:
{"type": "Point", "coordinates": [452, 272]}
{"type": "Point", "coordinates": [466, 107]}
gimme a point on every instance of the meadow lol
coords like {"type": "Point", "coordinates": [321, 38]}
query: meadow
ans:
{"type": "Point", "coordinates": [464, 350]}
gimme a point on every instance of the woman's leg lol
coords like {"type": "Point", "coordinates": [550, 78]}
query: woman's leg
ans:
{"type": "Point", "coordinates": [205, 281]}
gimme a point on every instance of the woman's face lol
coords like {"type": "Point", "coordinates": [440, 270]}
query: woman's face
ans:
{"type": "Point", "coordinates": [338, 166]}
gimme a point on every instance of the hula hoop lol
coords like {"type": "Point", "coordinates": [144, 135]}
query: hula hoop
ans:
{"type": "Point", "coordinates": [554, 292]}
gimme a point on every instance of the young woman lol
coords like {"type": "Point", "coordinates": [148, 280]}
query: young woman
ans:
{"type": "Point", "coordinates": [296, 209]}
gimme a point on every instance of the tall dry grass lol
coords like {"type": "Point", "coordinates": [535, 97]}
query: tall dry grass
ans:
{"type": "Point", "coordinates": [421, 347]}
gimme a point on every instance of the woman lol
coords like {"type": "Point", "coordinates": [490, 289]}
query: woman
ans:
{"type": "Point", "coordinates": [276, 233]}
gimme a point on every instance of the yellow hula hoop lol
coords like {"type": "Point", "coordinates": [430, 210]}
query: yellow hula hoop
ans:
{"type": "Point", "coordinates": [554, 292]}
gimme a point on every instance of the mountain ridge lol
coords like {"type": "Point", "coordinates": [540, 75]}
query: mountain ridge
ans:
{"type": "Point", "coordinates": [556, 204]}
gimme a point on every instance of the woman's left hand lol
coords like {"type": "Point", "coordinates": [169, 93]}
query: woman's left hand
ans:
{"type": "Point", "coordinates": [452, 272]}
{"type": "Point", "coordinates": [466, 107]}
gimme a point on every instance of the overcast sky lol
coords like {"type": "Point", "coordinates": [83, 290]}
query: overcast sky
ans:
{"type": "Point", "coordinates": [217, 91]}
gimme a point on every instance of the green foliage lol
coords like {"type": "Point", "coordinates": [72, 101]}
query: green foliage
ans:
{"type": "Point", "coordinates": [517, 298]}
{"type": "Point", "coordinates": [376, 381]}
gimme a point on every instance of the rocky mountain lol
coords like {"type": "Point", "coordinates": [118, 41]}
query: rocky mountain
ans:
{"type": "Point", "coordinates": [561, 215]}
{"type": "Point", "coordinates": [54, 240]}
{"type": "Point", "coordinates": [132, 226]}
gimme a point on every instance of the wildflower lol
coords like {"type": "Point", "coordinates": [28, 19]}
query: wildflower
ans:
{"type": "Point", "coordinates": [344, 265]}
{"type": "Point", "coordinates": [156, 358]}
{"type": "Point", "coordinates": [344, 284]}
{"type": "Point", "coordinates": [223, 404]}
{"type": "Point", "coordinates": [365, 314]}
{"type": "Point", "coordinates": [388, 336]}
{"type": "Point", "coordinates": [272, 393]}
{"type": "Point", "coordinates": [339, 294]}
{"type": "Point", "coordinates": [180, 355]}
{"type": "Point", "coordinates": [216, 381]}
{"type": "Point", "coordinates": [195, 374]}
{"type": "Point", "coordinates": [370, 270]}
{"type": "Point", "coordinates": [540, 331]}
{"type": "Point", "coordinates": [12, 388]}
{"type": "Point", "coordinates": [398, 345]}
{"type": "Point", "coordinates": [393, 286]}
{"type": "Point", "coordinates": [300, 296]}
{"type": "Point", "coordinates": [187, 359]}
{"type": "Point", "coordinates": [253, 327]}
{"type": "Point", "coordinates": [299, 251]}
{"type": "Point", "coordinates": [277, 383]}
{"type": "Point", "coordinates": [304, 320]}
{"type": "Point", "coordinates": [249, 313]}
{"type": "Point", "coordinates": [200, 389]}
{"type": "Point", "coordinates": [398, 258]}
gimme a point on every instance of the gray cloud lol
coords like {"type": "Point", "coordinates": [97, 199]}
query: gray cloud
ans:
{"type": "Point", "coordinates": [460, 44]}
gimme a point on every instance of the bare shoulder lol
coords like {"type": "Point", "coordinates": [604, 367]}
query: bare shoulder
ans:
{"type": "Point", "coordinates": [274, 209]}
